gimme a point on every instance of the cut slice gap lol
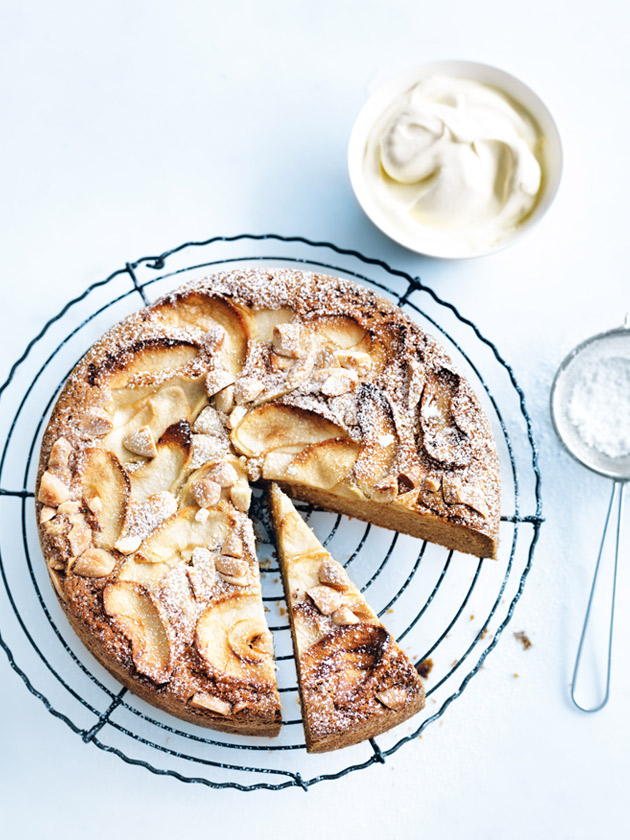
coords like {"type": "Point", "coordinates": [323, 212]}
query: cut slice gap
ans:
{"type": "Point", "coordinates": [355, 681]}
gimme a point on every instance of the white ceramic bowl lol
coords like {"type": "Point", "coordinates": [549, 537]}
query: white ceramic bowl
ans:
{"type": "Point", "coordinates": [424, 241]}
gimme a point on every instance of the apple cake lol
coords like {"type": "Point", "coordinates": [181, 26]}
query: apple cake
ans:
{"type": "Point", "coordinates": [143, 488]}
{"type": "Point", "coordinates": [355, 682]}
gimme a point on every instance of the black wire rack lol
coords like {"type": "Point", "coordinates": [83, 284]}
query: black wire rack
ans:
{"type": "Point", "coordinates": [441, 606]}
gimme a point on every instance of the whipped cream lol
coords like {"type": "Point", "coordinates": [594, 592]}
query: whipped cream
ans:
{"type": "Point", "coordinates": [457, 159]}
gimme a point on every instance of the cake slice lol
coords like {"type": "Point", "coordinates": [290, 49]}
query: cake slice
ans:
{"type": "Point", "coordinates": [355, 682]}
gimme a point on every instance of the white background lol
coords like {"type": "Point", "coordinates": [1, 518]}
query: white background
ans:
{"type": "Point", "coordinates": [130, 127]}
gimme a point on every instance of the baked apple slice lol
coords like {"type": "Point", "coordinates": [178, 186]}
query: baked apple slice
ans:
{"type": "Point", "coordinates": [355, 681]}
{"type": "Point", "coordinates": [233, 638]}
{"type": "Point", "coordinates": [281, 427]}
{"type": "Point", "coordinates": [321, 465]}
{"type": "Point", "coordinates": [218, 317]}
{"type": "Point", "coordinates": [164, 471]}
{"type": "Point", "coordinates": [106, 491]}
{"type": "Point", "coordinates": [181, 534]}
{"type": "Point", "coordinates": [145, 419]}
{"type": "Point", "coordinates": [138, 616]}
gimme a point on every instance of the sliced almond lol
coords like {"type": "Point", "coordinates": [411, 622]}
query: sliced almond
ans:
{"type": "Point", "coordinates": [201, 556]}
{"type": "Point", "coordinates": [224, 474]}
{"type": "Point", "coordinates": [241, 496]}
{"type": "Point", "coordinates": [69, 508]}
{"type": "Point", "coordinates": [141, 442]}
{"type": "Point", "coordinates": [356, 360]}
{"type": "Point", "coordinates": [291, 340]}
{"type": "Point", "coordinates": [232, 547]}
{"type": "Point", "coordinates": [128, 544]}
{"type": "Point", "coordinates": [359, 607]}
{"type": "Point", "coordinates": [339, 382]}
{"type": "Point", "coordinates": [206, 493]}
{"type": "Point", "coordinates": [211, 703]}
{"type": "Point", "coordinates": [247, 389]}
{"type": "Point", "coordinates": [237, 580]}
{"type": "Point", "coordinates": [60, 455]}
{"type": "Point", "coordinates": [344, 616]}
{"type": "Point", "coordinates": [209, 423]}
{"type": "Point", "coordinates": [206, 448]}
{"type": "Point", "coordinates": [94, 563]}
{"type": "Point", "coordinates": [333, 574]}
{"type": "Point", "coordinates": [214, 338]}
{"type": "Point", "coordinates": [432, 483]}
{"type": "Point", "coordinates": [385, 491]}
{"type": "Point", "coordinates": [96, 423]}
{"type": "Point", "coordinates": [94, 504]}
{"type": "Point", "coordinates": [56, 565]}
{"type": "Point", "coordinates": [57, 527]}
{"type": "Point", "coordinates": [218, 380]}
{"type": "Point", "coordinates": [223, 398]}
{"type": "Point", "coordinates": [236, 416]}
{"type": "Point", "coordinates": [228, 565]}
{"type": "Point", "coordinates": [57, 582]}
{"type": "Point", "coordinates": [279, 363]}
{"type": "Point", "coordinates": [202, 573]}
{"type": "Point", "coordinates": [52, 491]}
{"type": "Point", "coordinates": [326, 600]}
{"type": "Point", "coordinates": [394, 698]}
{"type": "Point", "coordinates": [79, 536]}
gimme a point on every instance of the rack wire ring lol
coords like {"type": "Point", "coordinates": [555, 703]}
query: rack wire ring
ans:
{"type": "Point", "coordinates": [117, 700]}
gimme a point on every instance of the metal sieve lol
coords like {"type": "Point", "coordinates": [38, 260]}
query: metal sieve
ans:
{"type": "Point", "coordinates": [590, 688]}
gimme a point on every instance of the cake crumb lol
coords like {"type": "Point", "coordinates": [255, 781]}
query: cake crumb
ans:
{"type": "Point", "coordinates": [424, 668]}
{"type": "Point", "coordinates": [523, 639]}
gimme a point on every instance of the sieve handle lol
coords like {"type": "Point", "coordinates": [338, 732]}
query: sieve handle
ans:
{"type": "Point", "coordinates": [601, 590]}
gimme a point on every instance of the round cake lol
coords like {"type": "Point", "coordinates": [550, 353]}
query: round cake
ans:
{"type": "Point", "coordinates": [247, 377]}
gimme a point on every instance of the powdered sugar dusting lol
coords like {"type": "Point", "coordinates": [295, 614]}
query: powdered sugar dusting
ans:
{"type": "Point", "coordinates": [341, 353]}
{"type": "Point", "coordinates": [599, 405]}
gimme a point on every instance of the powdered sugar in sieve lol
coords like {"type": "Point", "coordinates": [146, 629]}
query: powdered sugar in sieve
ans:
{"type": "Point", "coordinates": [590, 403]}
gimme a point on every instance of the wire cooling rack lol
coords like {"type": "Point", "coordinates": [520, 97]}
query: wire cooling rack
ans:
{"type": "Point", "coordinates": [441, 606]}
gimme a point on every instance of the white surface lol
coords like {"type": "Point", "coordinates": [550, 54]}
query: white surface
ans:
{"type": "Point", "coordinates": [131, 127]}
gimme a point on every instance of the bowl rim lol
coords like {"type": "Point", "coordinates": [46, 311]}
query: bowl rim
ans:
{"type": "Point", "coordinates": [378, 101]}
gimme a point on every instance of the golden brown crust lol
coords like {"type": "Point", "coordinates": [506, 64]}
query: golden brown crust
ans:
{"type": "Point", "coordinates": [355, 682]}
{"type": "Point", "coordinates": [424, 524]}
{"type": "Point", "coordinates": [342, 677]}
{"type": "Point", "coordinates": [154, 417]}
